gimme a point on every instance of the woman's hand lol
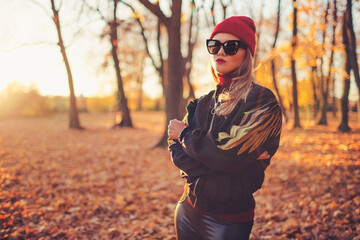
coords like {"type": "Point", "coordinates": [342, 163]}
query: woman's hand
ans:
{"type": "Point", "coordinates": [264, 155]}
{"type": "Point", "coordinates": [174, 128]}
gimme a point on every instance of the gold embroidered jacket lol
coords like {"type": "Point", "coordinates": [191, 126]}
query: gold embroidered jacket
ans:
{"type": "Point", "coordinates": [219, 153]}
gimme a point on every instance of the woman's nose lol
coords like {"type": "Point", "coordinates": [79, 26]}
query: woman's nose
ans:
{"type": "Point", "coordinates": [221, 51]}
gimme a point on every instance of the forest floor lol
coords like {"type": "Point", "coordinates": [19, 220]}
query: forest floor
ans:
{"type": "Point", "coordinates": [98, 183]}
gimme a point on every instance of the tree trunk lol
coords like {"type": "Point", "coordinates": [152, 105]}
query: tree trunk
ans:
{"type": "Point", "coordinates": [273, 66]}
{"type": "Point", "coordinates": [344, 125]}
{"type": "Point", "coordinates": [258, 33]}
{"type": "Point", "coordinates": [331, 74]}
{"type": "Point", "coordinates": [313, 84]}
{"type": "Point", "coordinates": [73, 112]}
{"type": "Point", "coordinates": [324, 86]}
{"type": "Point", "coordinates": [122, 101]}
{"type": "Point", "coordinates": [139, 85]}
{"type": "Point", "coordinates": [190, 45]}
{"type": "Point", "coordinates": [334, 101]}
{"type": "Point", "coordinates": [293, 69]}
{"type": "Point", "coordinates": [175, 70]}
{"type": "Point", "coordinates": [352, 44]}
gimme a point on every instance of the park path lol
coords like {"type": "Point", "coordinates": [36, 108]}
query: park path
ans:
{"type": "Point", "coordinates": [99, 183]}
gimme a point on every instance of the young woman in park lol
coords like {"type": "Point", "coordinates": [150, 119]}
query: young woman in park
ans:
{"type": "Point", "coordinates": [226, 140]}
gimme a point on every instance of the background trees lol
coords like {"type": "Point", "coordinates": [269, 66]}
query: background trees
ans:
{"type": "Point", "coordinates": [303, 47]}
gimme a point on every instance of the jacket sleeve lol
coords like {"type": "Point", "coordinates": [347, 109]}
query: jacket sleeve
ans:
{"type": "Point", "coordinates": [257, 129]}
{"type": "Point", "coordinates": [190, 168]}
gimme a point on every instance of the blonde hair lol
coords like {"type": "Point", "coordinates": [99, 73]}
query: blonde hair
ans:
{"type": "Point", "coordinates": [242, 79]}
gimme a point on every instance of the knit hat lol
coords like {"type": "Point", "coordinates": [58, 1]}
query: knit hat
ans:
{"type": "Point", "coordinates": [240, 26]}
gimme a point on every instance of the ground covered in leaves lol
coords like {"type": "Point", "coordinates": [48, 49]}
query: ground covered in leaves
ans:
{"type": "Point", "coordinates": [98, 183]}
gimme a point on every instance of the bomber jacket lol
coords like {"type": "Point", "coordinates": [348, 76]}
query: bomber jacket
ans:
{"type": "Point", "coordinates": [217, 155]}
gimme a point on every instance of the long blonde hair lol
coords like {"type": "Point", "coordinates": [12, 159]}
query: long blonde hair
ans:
{"type": "Point", "coordinates": [241, 82]}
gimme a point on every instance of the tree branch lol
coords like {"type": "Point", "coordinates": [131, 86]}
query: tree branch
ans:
{"type": "Point", "coordinates": [143, 35]}
{"type": "Point", "coordinates": [28, 44]}
{"type": "Point", "coordinates": [96, 9]}
{"type": "Point", "coordinates": [155, 9]}
{"type": "Point", "coordinates": [42, 7]}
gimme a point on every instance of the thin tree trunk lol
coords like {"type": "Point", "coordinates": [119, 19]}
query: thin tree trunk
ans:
{"type": "Point", "coordinates": [258, 33]}
{"type": "Point", "coordinates": [122, 101]}
{"type": "Point", "coordinates": [191, 44]}
{"type": "Point", "coordinates": [273, 66]}
{"type": "Point", "coordinates": [212, 12]}
{"type": "Point", "coordinates": [334, 101]}
{"type": "Point", "coordinates": [352, 44]}
{"type": "Point", "coordinates": [331, 74]}
{"type": "Point", "coordinates": [313, 84]}
{"type": "Point", "coordinates": [293, 69]}
{"type": "Point", "coordinates": [140, 83]}
{"type": "Point", "coordinates": [344, 125]}
{"type": "Point", "coordinates": [324, 86]}
{"type": "Point", "coordinates": [73, 113]}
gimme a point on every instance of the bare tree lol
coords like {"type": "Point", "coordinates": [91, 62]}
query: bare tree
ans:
{"type": "Point", "coordinates": [74, 121]}
{"type": "Point", "coordinates": [258, 32]}
{"type": "Point", "coordinates": [114, 40]}
{"type": "Point", "coordinates": [273, 66]}
{"type": "Point", "coordinates": [349, 42]}
{"type": "Point", "coordinates": [293, 69]}
{"type": "Point", "coordinates": [314, 80]}
{"type": "Point", "coordinates": [113, 23]}
{"type": "Point", "coordinates": [324, 87]}
{"type": "Point", "coordinates": [172, 69]}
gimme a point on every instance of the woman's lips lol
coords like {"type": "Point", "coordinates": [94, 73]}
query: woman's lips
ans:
{"type": "Point", "coordinates": [220, 60]}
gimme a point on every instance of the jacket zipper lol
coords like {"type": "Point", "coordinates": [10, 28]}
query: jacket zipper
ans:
{"type": "Point", "coordinates": [213, 112]}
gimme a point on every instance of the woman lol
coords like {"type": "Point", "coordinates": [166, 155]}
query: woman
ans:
{"type": "Point", "coordinates": [225, 141]}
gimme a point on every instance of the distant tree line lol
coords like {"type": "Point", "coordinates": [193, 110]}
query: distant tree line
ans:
{"type": "Point", "coordinates": [320, 50]}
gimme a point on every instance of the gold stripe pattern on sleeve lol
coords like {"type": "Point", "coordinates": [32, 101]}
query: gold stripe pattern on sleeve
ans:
{"type": "Point", "coordinates": [255, 128]}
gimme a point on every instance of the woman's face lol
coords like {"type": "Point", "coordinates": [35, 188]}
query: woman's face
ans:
{"type": "Point", "coordinates": [223, 63]}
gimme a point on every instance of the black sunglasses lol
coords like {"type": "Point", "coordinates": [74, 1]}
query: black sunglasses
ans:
{"type": "Point", "coordinates": [230, 47]}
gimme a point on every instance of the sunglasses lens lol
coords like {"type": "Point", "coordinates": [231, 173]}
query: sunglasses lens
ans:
{"type": "Point", "coordinates": [231, 47]}
{"type": "Point", "coordinates": [213, 46]}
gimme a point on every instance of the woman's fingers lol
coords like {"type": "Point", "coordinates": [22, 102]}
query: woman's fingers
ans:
{"type": "Point", "coordinates": [175, 127]}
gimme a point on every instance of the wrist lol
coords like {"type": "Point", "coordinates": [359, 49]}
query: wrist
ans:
{"type": "Point", "coordinates": [183, 133]}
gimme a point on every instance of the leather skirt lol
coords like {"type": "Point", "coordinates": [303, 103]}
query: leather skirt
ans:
{"type": "Point", "coordinates": [191, 224]}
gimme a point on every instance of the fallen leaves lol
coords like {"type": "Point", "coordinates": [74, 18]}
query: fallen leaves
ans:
{"type": "Point", "coordinates": [312, 187]}
{"type": "Point", "coordinates": [57, 183]}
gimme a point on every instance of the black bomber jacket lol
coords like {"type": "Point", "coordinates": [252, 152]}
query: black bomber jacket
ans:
{"type": "Point", "coordinates": [217, 155]}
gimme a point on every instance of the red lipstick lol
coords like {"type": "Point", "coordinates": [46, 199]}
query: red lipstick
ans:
{"type": "Point", "coordinates": [220, 60]}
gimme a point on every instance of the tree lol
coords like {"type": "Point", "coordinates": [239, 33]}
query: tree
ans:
{"type": "Point", "coordinates": [293, 69]}
{"type": "Point", "coordinates": [174, 67]}
{"type": "Point", "coordinates": [114, 40]}
{"type": "Point", "coordinates": [273, 66]}
{"type": "Point", "coordinates": [73, 112]}
{"type": "Point", "coordinates": [113, 23]}
{"type": "Point", "coordinates": [350, 49]}
{"type": "Point", "coordinates": [258, 33]}
{"type": "Point", "coordinates": [324, 86]}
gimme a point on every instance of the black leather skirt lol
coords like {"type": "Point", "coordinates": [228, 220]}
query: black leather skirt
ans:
{"type": "Point", "coordinates": [191, 224]}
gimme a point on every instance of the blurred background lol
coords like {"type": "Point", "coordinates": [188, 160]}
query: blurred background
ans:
{"type": "Point", "coordinates": [122, 56]}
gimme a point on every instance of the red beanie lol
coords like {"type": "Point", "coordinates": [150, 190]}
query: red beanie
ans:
{"type": "Point", "coordinates": [240, 26]}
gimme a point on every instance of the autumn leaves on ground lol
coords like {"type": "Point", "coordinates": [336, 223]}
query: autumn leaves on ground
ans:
{"type": "Point", "coordinates": [99, 183]}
